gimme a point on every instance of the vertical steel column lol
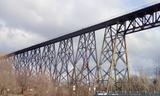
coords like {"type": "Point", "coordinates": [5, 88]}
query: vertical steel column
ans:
{"type": "Point", "coordinates": [114, 70]}
{"type": "Point", "coordinates": [86, 60]}
{"type": "Point", "coordinates": [48, 59]}
{"type": "Point", "coordinates": [64, 61]}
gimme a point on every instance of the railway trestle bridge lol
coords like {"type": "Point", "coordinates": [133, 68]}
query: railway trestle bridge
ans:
{"type": "Point", "coordinates": [78, 66]}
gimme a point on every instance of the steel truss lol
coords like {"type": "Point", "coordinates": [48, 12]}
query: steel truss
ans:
{"type": "Point", "coordinates": [113, 65]}
{"type": "Point", "coordinates": [64, 62]}
{"type": "Point", "coordinates": [86, 60]}
{"type": "Point", "coordinates": [57, 58]}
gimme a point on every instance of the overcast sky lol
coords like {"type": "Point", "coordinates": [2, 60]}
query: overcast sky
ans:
{"type": "Point", "coordinates": [27, 22]}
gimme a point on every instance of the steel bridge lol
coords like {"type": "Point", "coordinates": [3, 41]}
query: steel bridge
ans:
{"type": "Point", "coordinates": [78, 66]}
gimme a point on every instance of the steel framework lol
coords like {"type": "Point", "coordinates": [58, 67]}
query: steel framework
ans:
{"type": "Point", "coordinates": [82, 67]}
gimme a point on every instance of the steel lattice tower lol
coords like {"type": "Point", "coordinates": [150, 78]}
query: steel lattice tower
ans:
{"type": "Point", "coordinates": [113, 60]}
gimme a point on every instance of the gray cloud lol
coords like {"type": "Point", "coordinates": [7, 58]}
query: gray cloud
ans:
{"type": "Point", "coordinates": [143, 49]}
{"type": "Point", "coordinates": [51, 17]}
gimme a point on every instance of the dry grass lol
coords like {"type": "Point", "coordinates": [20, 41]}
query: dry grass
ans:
{"type": "Point", "coordinates": [41, 85]}
{"type": "Point", "coordinates": [7, 79]}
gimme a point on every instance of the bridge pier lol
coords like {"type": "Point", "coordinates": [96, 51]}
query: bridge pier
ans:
{"type": "Point", "coordinates": [114, 70]}
{"type": "Point", "coordinates": [85, 68]}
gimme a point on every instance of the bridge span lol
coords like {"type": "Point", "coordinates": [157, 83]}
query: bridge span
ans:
{"type": "Point", "coordinates": [58, 58]}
